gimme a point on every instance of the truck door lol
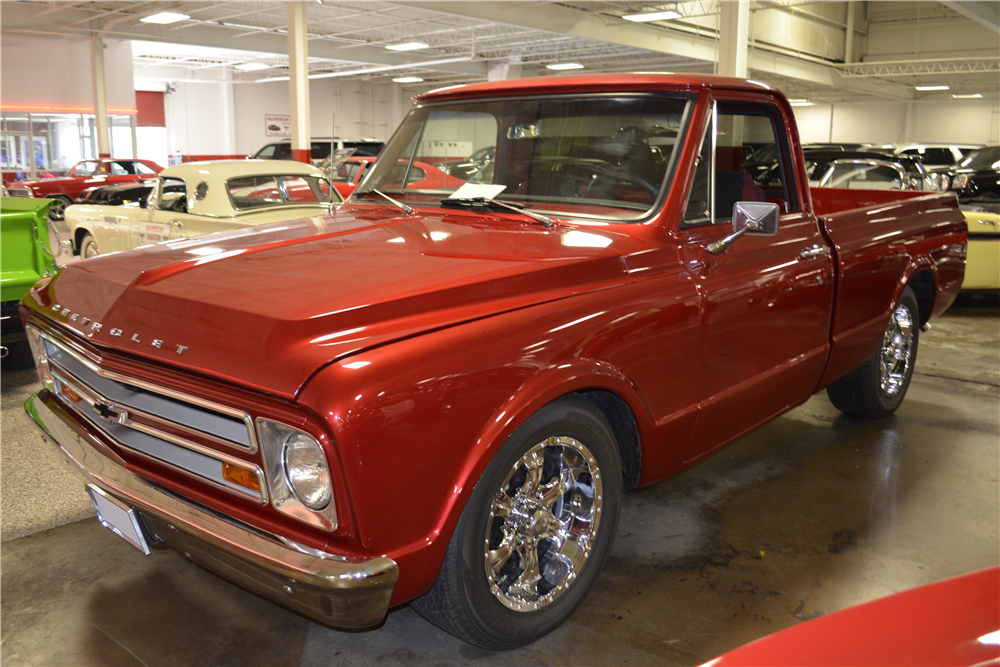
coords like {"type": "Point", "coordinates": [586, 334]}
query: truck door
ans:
{"type": "Point", "coordinates": [766, 301]}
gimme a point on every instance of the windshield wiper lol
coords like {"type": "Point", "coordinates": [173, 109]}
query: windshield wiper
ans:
{"type": "Point", "coordinates": [398, 204]}
{"type": "Point", "coordinates": [485, 202]}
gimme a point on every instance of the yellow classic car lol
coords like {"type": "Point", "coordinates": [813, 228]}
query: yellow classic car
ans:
{"type": "Point", "coordinates": [982, 269]}
{"type": "Point", "coordinates": [198, 198]}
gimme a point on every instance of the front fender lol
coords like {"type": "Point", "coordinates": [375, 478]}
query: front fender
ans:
{"type": "Point", "coordinates": [417, 421]}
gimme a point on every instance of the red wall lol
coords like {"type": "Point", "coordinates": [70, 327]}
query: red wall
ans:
{"type": "Point", "coordinates": [150, 106]}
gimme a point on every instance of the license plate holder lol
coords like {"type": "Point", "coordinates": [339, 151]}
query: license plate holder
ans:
{"type": "Point", "coordinates": [119, 518]}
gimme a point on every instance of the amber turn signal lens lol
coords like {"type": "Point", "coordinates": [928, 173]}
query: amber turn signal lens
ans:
{"type": "Point", "coordinates": [70, 394]}
{"type": "Point", "coordinates": [241, 476]}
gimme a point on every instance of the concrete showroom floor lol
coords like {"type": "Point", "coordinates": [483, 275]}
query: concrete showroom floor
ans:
{"type": "Point", "coordinates": [812, 513]}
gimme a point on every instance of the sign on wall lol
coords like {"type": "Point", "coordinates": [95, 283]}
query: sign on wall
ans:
{"type": "Point", "coordinates": [278, 126]}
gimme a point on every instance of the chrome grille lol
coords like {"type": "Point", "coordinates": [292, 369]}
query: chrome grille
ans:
{"type": "Point", "coordinates": [156, 423]}
{"type": "Point", "coordinates": [18, 192]}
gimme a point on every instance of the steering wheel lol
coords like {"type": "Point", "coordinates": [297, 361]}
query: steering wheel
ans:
{"type": "Point", "coordinates": [611, 176]}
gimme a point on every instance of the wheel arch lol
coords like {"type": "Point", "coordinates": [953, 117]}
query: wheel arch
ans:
{"type": "Point", "coordinates": [78, 235]}
{"type": "Point", "coordinates": [923, 283]}
{"type": "Point", "coordinates": [600, 384]}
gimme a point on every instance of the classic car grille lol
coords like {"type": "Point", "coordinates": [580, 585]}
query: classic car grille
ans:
{"type": "Point", "coordinates": [175, 430]}
{"type": "Point", "coordinates": [19, 192]}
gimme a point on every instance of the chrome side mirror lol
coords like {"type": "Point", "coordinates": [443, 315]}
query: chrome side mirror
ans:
{"type": "Point", "coordinates": [756, 218]}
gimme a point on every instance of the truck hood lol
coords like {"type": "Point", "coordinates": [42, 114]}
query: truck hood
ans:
{"type": "Point", "coordinates": [267, 306]}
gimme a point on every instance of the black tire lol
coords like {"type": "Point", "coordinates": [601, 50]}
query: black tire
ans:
{"type": "Point", "coordinates": [475, 606]}
{"type": "Point", "coordinates": [57, 210]}
{"type": "Point", "coordinates": [88, 247]}
{"type": "Point", "coordinates": [18, 356]}
{"type": "Point", "coordinates": [877, 388]}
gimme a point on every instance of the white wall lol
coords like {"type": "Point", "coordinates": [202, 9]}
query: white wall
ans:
{"type": "Point", "coordinates": [199, 115]}
{"type": "Point", "coordinates": [40, 71]}
{"type": "Point", "coordinates": [956, 121]}
{"type": "Point", "coordinates": [361, 109]}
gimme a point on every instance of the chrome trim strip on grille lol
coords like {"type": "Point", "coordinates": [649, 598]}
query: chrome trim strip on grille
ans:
{"type": "Point", "coordinates": [354, 593]}
{"type": "Point", "coordinates": [91, 398]}
{"type": "Point", "coordinates": [88, 362]}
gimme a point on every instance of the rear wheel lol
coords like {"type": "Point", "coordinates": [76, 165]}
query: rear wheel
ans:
{"type": "Point", "coordinates": [88, 247]}
{"type": "Point", "coordinates": [535, 534]}
{"type": "Point", "coordinates": [877, 388]}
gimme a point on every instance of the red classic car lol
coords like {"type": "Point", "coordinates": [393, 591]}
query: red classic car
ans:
{"type": "Point", "coordinates": [955, 622]}
{"type": "Point", "coordinates": [420, 175]}
{"type": "Point", "coordinates": [439, 393]}
{"type": "Point", "coordinates": [86, 174]}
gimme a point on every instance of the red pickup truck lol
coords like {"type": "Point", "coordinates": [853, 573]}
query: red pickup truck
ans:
{"type": "Point", "coordinates": [84, 175]}
{"type": "Point", "coordinates": [440, 395]}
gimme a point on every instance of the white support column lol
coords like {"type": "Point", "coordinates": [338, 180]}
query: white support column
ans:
{"type": "Point", "coordinates": [849, 33]}
{"type": "Point", "coordinates": [734, 22]}
{"type": "Point", "coordinates": [298, 79]}
{"type": "Point", "coordinates": [503, 70]}
{"type": "Point", "coordinates": [100, 96]}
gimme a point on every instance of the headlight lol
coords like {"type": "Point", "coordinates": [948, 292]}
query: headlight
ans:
{"type": "Point", "coordinates": [307, 471]}
{"type": "Point", "coordinates": [298, 475]}
{"type": "Point", "coordinates": [959, 181]}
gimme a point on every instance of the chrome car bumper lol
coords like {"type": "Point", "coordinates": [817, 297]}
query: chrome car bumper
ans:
{"type": "Point", "coordinates": [328, 588]}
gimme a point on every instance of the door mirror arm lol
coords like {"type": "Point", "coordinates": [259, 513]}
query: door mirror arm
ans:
{"type": "Point", "coordinates": [757, 218]}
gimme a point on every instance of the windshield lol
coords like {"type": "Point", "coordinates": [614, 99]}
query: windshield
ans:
{"type": "Point", "coordinates": [983, 160]}
{"type": "Point", "coordinates": [606, 157]}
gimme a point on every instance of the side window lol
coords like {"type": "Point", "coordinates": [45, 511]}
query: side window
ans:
{"type": "Point", "coordinates": [283, 152]}
{"type": "Point", "coordinates": [143, 170]}
{"type": "Point", "coordinates": [119, 168]}
{"type": "Point", "coordinates": [171, 195]}
{"type": "Point", "coordinates": [267, 152]}
{"type": "Point", "coordinates": [750, 163]}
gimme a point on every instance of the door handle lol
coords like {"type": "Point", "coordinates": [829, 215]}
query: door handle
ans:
{"type": "Point", "coordinates": [814, 251]}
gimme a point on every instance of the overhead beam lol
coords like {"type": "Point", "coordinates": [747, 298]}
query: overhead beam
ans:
{"type": "Point", "coordinates": [18, 17]}
{"type": "Point", "coordinates": [986, 14]}
{"type": "Point", "coordinates": [567, 21]}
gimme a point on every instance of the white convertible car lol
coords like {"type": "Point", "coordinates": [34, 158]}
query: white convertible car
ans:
{"type": "Point", "coordinates": [198, 198]}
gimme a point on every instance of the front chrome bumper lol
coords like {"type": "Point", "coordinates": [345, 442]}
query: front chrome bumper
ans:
{"type": "Point", "coordinates": [328, 588]}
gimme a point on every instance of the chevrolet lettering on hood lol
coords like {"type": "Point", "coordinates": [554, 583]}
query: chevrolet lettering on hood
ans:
{"type": "Point", "coordinates": [95, 327]}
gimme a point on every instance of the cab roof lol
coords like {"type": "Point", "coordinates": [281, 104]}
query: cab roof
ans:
{"type": "Point", "coordinates": [595, 83]}
{"type": "Point", "coordinates": [226, 169]}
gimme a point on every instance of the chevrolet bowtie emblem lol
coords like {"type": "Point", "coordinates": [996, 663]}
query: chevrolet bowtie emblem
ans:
{"type": "Point", "coordinates": [108, 412]}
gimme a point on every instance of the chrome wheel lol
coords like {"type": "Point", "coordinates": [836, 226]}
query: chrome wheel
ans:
{"type": "Point", "coordinates": [542, 524]}
{"type": "Point", "coordinates": [89, 247]}
{"type": "Point", "coordinates": [897, 351]}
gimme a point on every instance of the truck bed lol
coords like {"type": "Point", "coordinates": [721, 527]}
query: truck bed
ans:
{"type": "Point", "coordinates": [876, 235]}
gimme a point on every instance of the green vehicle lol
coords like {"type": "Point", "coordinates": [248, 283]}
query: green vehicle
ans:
{"type": "Point", "coordinates": [26, 256]}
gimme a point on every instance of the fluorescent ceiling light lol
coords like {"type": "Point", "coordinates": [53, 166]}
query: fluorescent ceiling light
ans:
{"type": "Point", "coordinates": [931, 88]}
{"type": "Point", "coordinates": [653, 16]}
{"type": "Point", "coordinates": [973, 96]}
{"type": "Point", "coordinates": [252, 66]}
{"type": "Point", "coordinates": [408, 79]}
{"type": "Point", "coordinates": [165, 17]}
{"type": "Point", "coordinates": [562, 66]}
{"type": "Point", "coordinates": [408, 46]}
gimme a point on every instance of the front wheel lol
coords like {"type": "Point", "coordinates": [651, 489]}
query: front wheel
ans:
{"type": "Point", "coordinates": [57, 210]}
{"type": "Point", "coordinates": [877, 388]}
{"type": "Point", "coordinates": [88, 247]}
{"type": "Point", "coordinates": [535, 534]}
